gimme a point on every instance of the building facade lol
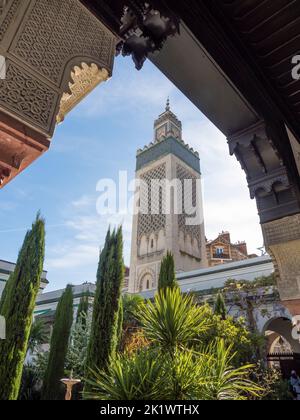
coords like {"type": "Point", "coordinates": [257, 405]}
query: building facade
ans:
{"type": "Point", "coordinates": [204, 280]}
{"type": "Point", "coordinates": [169, 212]}
{"type": "Point", "coordinates": [200, 280]}
{"type": "Point", "coordinates": [7, 268]}
{"type": "Point", "coordinates": [221, 250]}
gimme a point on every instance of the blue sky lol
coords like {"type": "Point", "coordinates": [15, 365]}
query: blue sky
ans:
{"type": "Point", "coordinates": [97, 140]}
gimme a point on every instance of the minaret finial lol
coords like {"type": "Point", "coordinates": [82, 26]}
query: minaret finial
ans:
{"type": "Point", "coordinates": [168, 104]}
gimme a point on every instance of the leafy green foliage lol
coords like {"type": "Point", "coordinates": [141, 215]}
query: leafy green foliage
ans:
{"type": "Point", "coordinates": [107, 304]}
{"type": "Point", "coordinates": [221, 380]}
{"type": "Point", "coordinates": [220, 306]}
{"type": "Point", "coordinates": [232, 285]}
{"type": "Point", "coordinates": [77, 352]}
{"type": "Point", "coordinates": [235, 333]}
{"type": "Point", "coordinates": [52, 387]}
{"type": "Point", "coordinates": [131, 305]}
{"type": "Point", "coordinates": [135, 377]}
{"type": "Point", "coordinates": [173, 320]}
{"type": "Point", "coordinates": [17, 306]}
{"type": "Point", "coordinates": [167, 275]}
{"type": "Point", "coordinates": [131, 308]}
{"type": "Point", "coordinates": [40, 363]}
{"type": "Point", "coordinates": [246, 285]}
{"type": "Point", "coordinates": [174, 366]}
{"type": "Point", "coordinates": [248, 296]}
{"type": "Point", "coordinates": [83, 308]}
{"type": "Point", "coordinates": [275, 388]}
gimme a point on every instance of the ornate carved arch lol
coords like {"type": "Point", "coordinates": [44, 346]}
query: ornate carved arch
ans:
{"type": "Point", "coordinates": [52, 50]}
{"type": "Point", "coordinates": [84, 79]}
{"type": "Point", "coordinates": [146, 272]}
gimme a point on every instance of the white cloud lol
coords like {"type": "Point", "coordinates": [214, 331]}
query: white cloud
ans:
{"type": "Point", "coordinates": [83, 202]}
{"type": "Point", "coordinates": [87, 235]}
{"type": "Point", "coordinates": [73, 256]}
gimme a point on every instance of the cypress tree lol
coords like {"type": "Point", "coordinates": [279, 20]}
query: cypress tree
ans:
{"type": "Point", "coordinates": [52, 387]}
{"type": "Point", "coordinates": [220, 306]}
{"type": "Point", "coordinates": [120, 324]}
{"type": "Point", "coordinates": [17, 306]}
{"type": "Point", "coordinates": [107, 304]}
{"type": "Point", "coordinates": [167, 275]}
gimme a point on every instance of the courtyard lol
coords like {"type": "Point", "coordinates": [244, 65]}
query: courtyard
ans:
{"type": "Point", "coordinates": [158, 146]}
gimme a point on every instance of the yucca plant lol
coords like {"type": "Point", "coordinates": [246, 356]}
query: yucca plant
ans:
{"type": "Point", "coordinates": [152, 375]}
{"type": "Point", "coordinates": [180, 376]}
{"type": "Point", "coordinates": [218, 379]}
{"type": "Point", "coordinates": [173, 320]}
{"type": "Point", "coordinates": [38, 335]}
{"type": "Point", "coordinates": [129, 377]}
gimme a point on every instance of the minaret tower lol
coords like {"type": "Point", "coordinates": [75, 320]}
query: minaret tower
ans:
{"type": "Point", "coordinates": [168, 185]}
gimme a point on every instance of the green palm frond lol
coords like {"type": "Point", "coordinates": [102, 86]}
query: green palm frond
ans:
{"type": "Point", "coordinates": [38, 335]}
{"type": "Point", "coordinates": [172, 320]}
{"type": "Point", "coordinates": [221, 380]}
{"type": "Point", "coordinates": [136, 377]}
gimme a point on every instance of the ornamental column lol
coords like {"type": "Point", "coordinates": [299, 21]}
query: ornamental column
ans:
{"type": "Point", "coordinates": [265, 153]}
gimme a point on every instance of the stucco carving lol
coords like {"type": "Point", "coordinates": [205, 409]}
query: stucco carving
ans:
{"type": "Point", "coordinates": [189, 197]}
{"type": "Point", "coordinates": [84, 80]}
{"type": "Point", "coordinates": [282, 240]}
{"type": "Point", "coordinates": [23, 95]}
{"type": "Point", "coordinates": [282, 231]}
{"type": "Point", "coordinates": [2, 5]}
{"type": "Point", "coordinates": [47, 41]}
{"type": "Point", "coordinates": [152, 223]}
{"type": "Point", "coordinates": [7, 12]}
{"type": "Point", "coordinates": [146, 274]}
{"type": "Point", "coordinates": [57, 31]}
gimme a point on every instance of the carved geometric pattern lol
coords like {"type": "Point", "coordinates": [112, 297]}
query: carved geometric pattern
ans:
{"type": "Point", "coordinates": [288, 266]}
{"type": "Point", "coordinates": [52, 38]}
{"type": "Point", "coordinates": [2, 5]}
{"type": "Point", "coordinates": [85, 79]}
{"type": "Point", "coordinates": [189, 197]}
{"type": "Point", "coordinates": [9, 16]}
{"type": "Point", "coordinates": [282, 231]}
{"type": "Point", "coordinates": [152, 223]}
{"type": "Point", "coordinates": [24, 95]}
{"type": "Point", "coordinates": [59, 30]}
{"type": "Point", "coordinates": [282, 240]}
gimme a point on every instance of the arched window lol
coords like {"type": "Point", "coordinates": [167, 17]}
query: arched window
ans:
{"type": "Point", "coordinates": [152, 243]}
{"type": "Point", "coordinates": [146, 282]}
